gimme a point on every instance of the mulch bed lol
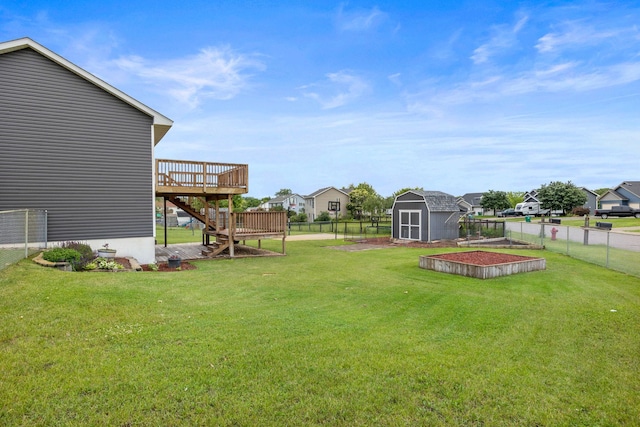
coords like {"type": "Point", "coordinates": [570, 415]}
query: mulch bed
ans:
{"type": "Point", "coordinates": [481, 257]}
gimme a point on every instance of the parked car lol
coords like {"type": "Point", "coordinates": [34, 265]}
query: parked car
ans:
{"type": "Point", "coordinates": [618, 211]}
{"type": "Point", "coordinates": [508, 212]}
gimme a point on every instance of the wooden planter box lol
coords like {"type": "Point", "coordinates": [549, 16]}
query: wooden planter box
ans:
{"type": "Point", "coordinates": [446, 263]}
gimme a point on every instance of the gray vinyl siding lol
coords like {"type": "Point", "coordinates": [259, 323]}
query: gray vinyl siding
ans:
{"type": "Point", "coordinates": [72, 148]}
{"type": "Point", "coordinates": [444, 225]}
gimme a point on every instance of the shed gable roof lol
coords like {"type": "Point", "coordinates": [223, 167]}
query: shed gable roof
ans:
{"type": "Point", "coordinates": [161, 123]}
{"type": "Point", "coordinates": [436, 201]}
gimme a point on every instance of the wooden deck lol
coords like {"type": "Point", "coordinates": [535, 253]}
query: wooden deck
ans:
{"type": "Point", "coordinates": [190, 184]}
{"type": "Point", "coordinates": [181, 177]}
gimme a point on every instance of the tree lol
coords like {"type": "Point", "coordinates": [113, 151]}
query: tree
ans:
{"type": "Point", "coordinates": [514, 198]}
{"type": "Point", "coordinates": [561, 196]}
{"type": "Point", "coordinates": [495, 200]}
{"type": "Point", "coordinates": [363, 198]}
{"type": "Point", "coordinates": [250, 202]}
{"type": "Point", "coordinates": [284, 192]}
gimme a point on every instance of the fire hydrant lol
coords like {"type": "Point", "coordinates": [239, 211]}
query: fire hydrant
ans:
{"type": "Point", "coordinates": [554, 231]}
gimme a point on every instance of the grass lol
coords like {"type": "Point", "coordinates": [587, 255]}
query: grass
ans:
{"type": "Point", "coordinates": [617, 222]}
{"type": "Point", "coordinates": [320, 337]}
{"type": "Point", "coordinates": [176, 235]}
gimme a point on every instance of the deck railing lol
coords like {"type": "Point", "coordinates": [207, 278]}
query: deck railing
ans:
{"type": "Point", "coordinates": [201, 175]}
{"type": "Point", "coordinates": [260, 222]}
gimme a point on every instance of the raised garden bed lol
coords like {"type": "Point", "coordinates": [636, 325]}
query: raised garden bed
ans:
{"type": "Point", "coordinates": [481, 264]}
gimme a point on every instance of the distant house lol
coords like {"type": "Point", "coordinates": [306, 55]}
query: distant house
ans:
{"type": "Point", "coordinates": [591, 203]}
{"type": "Point", "coordinates": [289, 202]}
{"type": "Point", "coordinates": [626, 194]}
{"type": "Point", "coordinates": [471, 203]}
{"type": "Point", "coordinates": [77, 146]}
{"type": "Point", "coordinates": [319, 201]}
{"type": "Point", "coordinates": [592, 199]}
{"type": "Point", "coordinates": [425, 216]}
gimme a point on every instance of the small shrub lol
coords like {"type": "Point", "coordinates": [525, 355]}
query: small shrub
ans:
{"type": "Point", "coordinates": [580, 211]}
{"type": "Point", "coordinates": [108, 264]}
{"type": "Point", "coordinates": [86, 254]}
{"type": "Point", "coordinates": [324, 216]}
{"type": "Point", "coordinates": [62, 255]}
{"type": "Point", "coordinates": [153, 267]}
{"type": "Point", "coordinates": [301, 217]}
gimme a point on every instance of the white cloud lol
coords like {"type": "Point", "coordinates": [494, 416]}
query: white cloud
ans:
{"type": "Point", "coordinates": [503, 38]}
{"type": "Point", "coordinates": [360, 20]}
{"type": "Point", "coordinates": [214, 73]}
{"type": "Point", "coordinates": [575, 35]}
{"type": "Point", "coordinates": [348, 86]}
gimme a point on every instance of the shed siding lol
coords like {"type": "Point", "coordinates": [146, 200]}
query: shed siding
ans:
{"type": "Point", "coordinates": [73, 149]}
{"type": "Point", "coordinates": [443, 227]}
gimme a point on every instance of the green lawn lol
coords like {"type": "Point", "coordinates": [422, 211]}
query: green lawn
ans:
{"type": "Point", "coordinates": [320, 337]}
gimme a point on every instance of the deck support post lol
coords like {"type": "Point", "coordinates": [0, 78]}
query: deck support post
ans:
{"type": "Point", "coordinates": [231, 227]}
{"type": "Point", "coordinates": [165, 221]}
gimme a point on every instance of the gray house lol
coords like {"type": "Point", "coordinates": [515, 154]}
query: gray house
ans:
{"type": "Point", "coordinates": [425, 216]}
{"type": "Point", "coordinates": [471, 203]}
{"type": "Point", "coordinates": [79, 148]}
{"type": "Point", "coordinates": [626, 194]}
{"type": "Point", "coordinates": [592, 199]}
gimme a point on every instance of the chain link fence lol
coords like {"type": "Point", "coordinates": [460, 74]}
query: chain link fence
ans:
{"type": "Point", "coordinates": [616, 250]}
{"type": "Point", "coordinates": [23, 232]}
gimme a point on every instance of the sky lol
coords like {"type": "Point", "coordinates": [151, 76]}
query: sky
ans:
{"type": "Point", "coordinates": [460, 97]}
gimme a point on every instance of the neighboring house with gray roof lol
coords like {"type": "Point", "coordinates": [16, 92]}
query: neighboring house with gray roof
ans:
{"type": "Point", "coordinates": [318, 202]}
{"type": "Point", "coordinates": [425, 216]}
{"type": "Point", "coordinates": [625, 194]}
{"type": "Point", "coordinates": [288, 202]}
{"type": "Point", "coordinates": [471, 203]}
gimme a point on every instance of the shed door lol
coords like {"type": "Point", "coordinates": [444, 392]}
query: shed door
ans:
{"type": "Point", "coordinates": [410, 224]}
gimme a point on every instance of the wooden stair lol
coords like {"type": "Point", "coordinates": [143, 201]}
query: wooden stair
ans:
{"type": "Point", "coordinates": [216, 248]}
{"type": "Point", "coordinates": [186, 206]}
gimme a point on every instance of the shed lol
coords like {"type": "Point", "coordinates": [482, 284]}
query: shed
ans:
{"type": "Point", "coordinates": [78, 147]}
{"type": "Point", "coordinates": [425, 216]}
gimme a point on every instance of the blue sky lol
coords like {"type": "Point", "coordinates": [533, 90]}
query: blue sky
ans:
{"type": "Point", "coordinates": [452, 96]}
